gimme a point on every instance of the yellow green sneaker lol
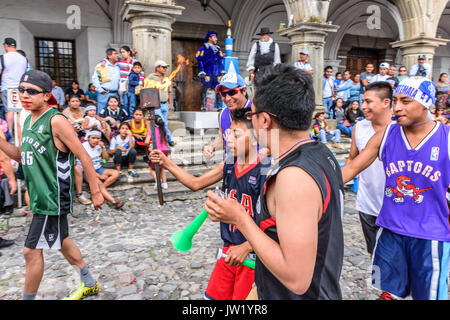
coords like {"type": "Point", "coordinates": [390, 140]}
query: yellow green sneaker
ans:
{"type": "Point", "coordinates": [82, 292]}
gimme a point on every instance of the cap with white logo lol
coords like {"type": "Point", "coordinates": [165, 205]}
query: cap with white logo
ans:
{"type": "Point", "coordinates": [231, 80]}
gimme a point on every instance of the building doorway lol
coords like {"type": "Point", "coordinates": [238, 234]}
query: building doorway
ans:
{"type": "Point", "coordinates": [187, 83]}
{"type": "Point", "coordinates": [358, 58]}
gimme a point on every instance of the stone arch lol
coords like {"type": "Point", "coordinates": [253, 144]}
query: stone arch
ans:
{"type": "Point", "coordinates": [245, 28]}
{"type": "Point", "coordinates": [357, 9]}
{"type": "Point", "coordinates": [215, 13]}
{"type": "Point", "coordinates": [442, 54]}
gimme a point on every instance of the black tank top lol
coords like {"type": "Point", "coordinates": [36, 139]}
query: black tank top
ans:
{"type": "Point", "coordinates": [319, 162]}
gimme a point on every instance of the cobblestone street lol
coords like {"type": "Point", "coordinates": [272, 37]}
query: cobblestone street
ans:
{"type": "Point", "coordinates": [130, 253]}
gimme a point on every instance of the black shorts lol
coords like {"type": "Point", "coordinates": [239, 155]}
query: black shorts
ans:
{"type": "Point", "coordinates": [369, 229]}
{"type": "Point", "coordinates": [47, 232]}
{"type": "Point", "coordinates": [19, 172]}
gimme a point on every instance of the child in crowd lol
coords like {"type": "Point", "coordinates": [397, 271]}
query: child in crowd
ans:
{"type": "Point", "coordinates": [114, 115]}
{"type": "Point", "coordinates": [243, 174]}
{"type": "Point", "coordinates": [92, 122]}
{"type": "Point", "coordinates": [134, 79]}
{"type": "Point", "coordinates": [97, 152]}
{"type": "Point", "coordinates": [139, 127]}
{"type": "Point", "coordinates": [122, 149]}
{"type": "Point", "coordinates": [161, 144]}
{"type": "Point", "coordinates": [320, 131]}
{"type": "Point", "coordinates": [337, 80]}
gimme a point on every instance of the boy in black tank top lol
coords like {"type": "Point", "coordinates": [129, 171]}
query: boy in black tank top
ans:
{"type": "Point", "coordinates": [243, 174]}
{"type": "Point", "coordinates": [299, 238]}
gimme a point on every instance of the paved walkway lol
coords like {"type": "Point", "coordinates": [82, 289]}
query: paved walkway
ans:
{"type": "Point", "coordinates": [130, 253]}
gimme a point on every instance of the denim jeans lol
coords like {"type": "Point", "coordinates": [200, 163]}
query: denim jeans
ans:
{"type": "Point", "coordinates": [4, 108]}
{"type": "Point", "coordinates": [163, 112]}
{"type": "Point", "coordinates": [324, 137]}
{"type": "Point", "coordinates": [129, 102]}
{"type": "Point", "coordinates": [327, 104]}
{"type": "Point", "coordinates": [346, 130]}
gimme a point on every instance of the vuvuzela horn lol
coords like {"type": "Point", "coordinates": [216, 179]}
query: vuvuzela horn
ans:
{"type": "Point", "coordinates": [182, 239]}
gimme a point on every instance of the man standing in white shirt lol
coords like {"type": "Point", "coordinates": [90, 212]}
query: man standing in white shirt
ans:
{"type": "Point", "coordinates": [264, 52]}
{"type": "Point", "coordinates": [383, 75]}
{"type": "Point", "coordinates": [421, 68]}
{"type": "Point", "coordinates": [376, 106]}
{"type": "Point", "coordinates": [303, 63]}
{"type": "Point", "coordinates": [12, 66]}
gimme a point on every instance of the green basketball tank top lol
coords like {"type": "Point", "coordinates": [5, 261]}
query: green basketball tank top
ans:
{"type": "Point", "coordinates": [49, 172]}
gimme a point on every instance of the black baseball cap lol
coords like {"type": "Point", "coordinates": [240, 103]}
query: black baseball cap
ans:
{"type": "Point", "coordinates": [10, 42]}
{"type": "Point", "coordinates": [38, 78]}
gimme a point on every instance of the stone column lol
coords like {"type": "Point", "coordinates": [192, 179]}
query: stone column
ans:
{"type": "Point", "coordinates": [420, 19]}
{"type": "Point", "coordinates": [412, 48]}
{"type": "Point", "coordinates": [311, 36]}
{"type": "Point", "coordinates": [151, 26]}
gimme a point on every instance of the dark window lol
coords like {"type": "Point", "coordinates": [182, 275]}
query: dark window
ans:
{"type": "Point", "coordinates": [57, 58]}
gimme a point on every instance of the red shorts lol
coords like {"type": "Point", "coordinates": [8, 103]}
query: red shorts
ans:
{"type": "Point", "coordinates": [230, 282]}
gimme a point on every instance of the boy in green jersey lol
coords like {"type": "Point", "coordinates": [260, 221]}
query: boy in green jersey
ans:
{"type": "Point", "coordinates": [47, 151]}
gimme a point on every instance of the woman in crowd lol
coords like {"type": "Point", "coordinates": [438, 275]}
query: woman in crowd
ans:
{"type": "Point", "coordinates": [354, 113]}
{"type": "Point", "coordinates": [355, 89]}
{"type": "Point", "coordinates": [75, 114]}
{"type": "Point", "coordinates": [402, 74]}
{"type": "Point", "coordinates": [341, 122]}
{"type": "Point", "coordinates": [75, 90]}
{"type": "Point", "coordinates": [443, 91]}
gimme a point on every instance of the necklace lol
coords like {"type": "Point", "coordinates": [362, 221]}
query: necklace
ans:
{"type": "Point", "coordinates": [296, 144]}
{"type": "Point", "coordinates": [417, 124]}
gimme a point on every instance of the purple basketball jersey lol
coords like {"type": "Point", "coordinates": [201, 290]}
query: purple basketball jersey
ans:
{"type": "Point", "coordinates": [417, 179]}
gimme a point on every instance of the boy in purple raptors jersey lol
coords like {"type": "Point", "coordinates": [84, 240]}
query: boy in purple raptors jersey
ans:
{"type": "Point", "coordinates": [412, 251]}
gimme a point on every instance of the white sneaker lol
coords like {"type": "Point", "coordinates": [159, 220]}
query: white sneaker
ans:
{"type": "Point", "coordinates": [164, 185]}
{"type": "Point", "coordinates": [82, 199]}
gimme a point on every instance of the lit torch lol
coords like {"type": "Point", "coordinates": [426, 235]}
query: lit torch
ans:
{"type": "Point", "coordinates": [167, 82]}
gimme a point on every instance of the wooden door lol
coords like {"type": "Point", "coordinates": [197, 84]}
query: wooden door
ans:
{"type": "Point", "coordinates": [358, 58]}
{"type": "Point", "coordinates": [187, 81]}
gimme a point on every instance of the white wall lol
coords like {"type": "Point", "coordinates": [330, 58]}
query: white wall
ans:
{"type": "Point", "coordinates": [26, 20]}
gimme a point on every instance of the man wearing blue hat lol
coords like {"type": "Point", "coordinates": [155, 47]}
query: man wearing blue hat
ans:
{"type": "Point", "coordinates": [414, 229]}
{"type": "Point", "coordinates": [233, 91]}
{"type": "Point", "coordinates": [210, 65]}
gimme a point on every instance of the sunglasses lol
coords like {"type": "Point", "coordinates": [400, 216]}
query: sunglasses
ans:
{"type": "Point", "coordinates": [30, 91]}
{"type": "Point", "coordinates": [230, 93]}
{"type": "Point", "coordinates": [249, 114]}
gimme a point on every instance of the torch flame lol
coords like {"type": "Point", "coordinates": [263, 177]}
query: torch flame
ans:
{"type": "Point", "coordinates": [167, 81]}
